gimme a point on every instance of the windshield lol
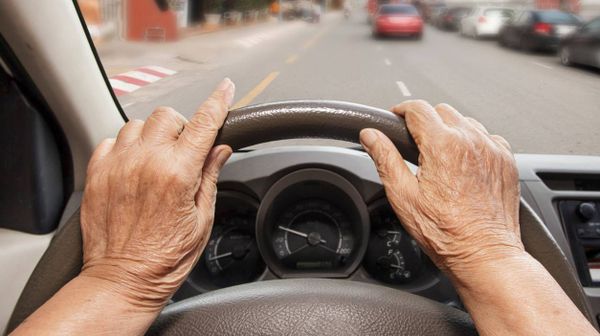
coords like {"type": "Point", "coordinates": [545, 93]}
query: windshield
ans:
{"type": "Point", "coordinates": [173, 53]}
{"type": "Point", "coordinates": [498, 12]}
{"type": "Point", "coordinates": [391, 9]}
{"type": "Point", "coordinates": [557, 17]}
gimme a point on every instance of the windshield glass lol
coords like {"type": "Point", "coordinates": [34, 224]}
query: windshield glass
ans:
{"type": "Point", "coordinates": [174, 52]}
{"type": "Point", "coordinates": [498, 12]}
{"type": "Point", "coordinates": [557, 17]}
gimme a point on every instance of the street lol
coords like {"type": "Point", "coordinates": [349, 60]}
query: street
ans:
{"type": "Point", "coordinates": [538, 105]}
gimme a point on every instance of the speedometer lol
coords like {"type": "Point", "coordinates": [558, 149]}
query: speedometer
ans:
{"type": "Point", "coordinates": [313, 234]}
{"type": "Point", "coordinates": [312, 223]}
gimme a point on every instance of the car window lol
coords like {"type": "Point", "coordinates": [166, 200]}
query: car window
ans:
{"type": "Point", "coordinates": [391, 9]}
{"type": "Point", "coordinates": [592, 26]}
{"type": "Point", "coordinates": [174, 52]}
{"type": "Point", "coordinates": [557, 17]}
{"type": "Point", "coordinates": [498, 12]}
{"type": "Point", "coordinates": [524, 18]}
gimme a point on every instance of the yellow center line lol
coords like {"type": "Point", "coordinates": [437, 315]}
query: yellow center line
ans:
{"type": "Point", "coordinates": [313, 39]}
{"type": "Point", "coordinates": [292, 59]}
{"type": "Point", "coordinates": [258, 89]}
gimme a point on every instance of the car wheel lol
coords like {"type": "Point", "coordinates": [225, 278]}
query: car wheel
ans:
{"type": "Point", "coordinates": [565, 56]}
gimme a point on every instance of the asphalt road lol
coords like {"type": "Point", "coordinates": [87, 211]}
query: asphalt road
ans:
{"type": "Point", "coordinates": [538, 105]}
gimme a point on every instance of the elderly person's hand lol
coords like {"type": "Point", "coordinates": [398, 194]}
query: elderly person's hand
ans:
{"type": "Point", "coordinates": [463, 208]}
{"type": "Point", "coordinates": [148, 204]}
{"type": "Point", "coordinates": [462, 205]}
{"type": "Point", "coordinates": [146, 216]}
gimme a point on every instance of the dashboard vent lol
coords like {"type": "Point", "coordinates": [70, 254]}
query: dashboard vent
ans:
{"type": "Point", "coordinates": [573, 182]}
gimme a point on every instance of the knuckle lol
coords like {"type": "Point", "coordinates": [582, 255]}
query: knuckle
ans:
{"type": "Point", "coordinates": [418, 104]}
{"type": "Point", "coordinates": [443, 106]}
{"type": "Point", "coordinates": [163, 111]}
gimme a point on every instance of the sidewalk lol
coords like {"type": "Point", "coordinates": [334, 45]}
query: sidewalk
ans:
{"type": "Point", "coordinates": [197, 46]}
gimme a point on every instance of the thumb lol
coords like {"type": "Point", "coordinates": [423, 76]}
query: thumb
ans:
{"type": "Point", "coordinates": [399, 181]}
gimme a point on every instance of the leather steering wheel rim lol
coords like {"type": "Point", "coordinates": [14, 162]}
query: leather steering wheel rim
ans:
{"type": "Point", "coordinates": [301, 306]}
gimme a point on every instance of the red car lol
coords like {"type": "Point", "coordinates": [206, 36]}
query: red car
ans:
{"type": "Point", "coordinates": [398, 20]}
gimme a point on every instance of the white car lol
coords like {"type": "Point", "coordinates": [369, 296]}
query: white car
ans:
{"type": "Point", "coordinates": [485, 21]}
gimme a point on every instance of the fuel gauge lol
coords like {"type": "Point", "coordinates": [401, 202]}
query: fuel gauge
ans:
{"type": "Point", "coordinates": [392, 255]}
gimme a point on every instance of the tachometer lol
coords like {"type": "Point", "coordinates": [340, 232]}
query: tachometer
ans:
{"type": "Point", "coordinates": [231, 256]}
{"type": "Point", "coordinates": [313, 234]}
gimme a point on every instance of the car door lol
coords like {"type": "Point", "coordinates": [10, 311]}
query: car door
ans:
{"type": "Point", "coordinates": [523, 28]}
{"type": "Point", "coordinates": [586, 44]}
{"type": "Point", "coordinates": [510, 30]}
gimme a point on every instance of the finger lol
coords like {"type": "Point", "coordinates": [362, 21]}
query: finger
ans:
{"type": "Point", "coordinates": [200, 132]}
{"type": "Point", "coordinates": [163, 125]}
{"type": "Point", "coordinates": [130, 133]}
{"type": "Point", "coordinates": [207, 192]}
{"type": "Point", "coordinates": [477, 125]}
{"type": "Point", "coordinates": [103, 149]}
{"type": "Point", "coordinates": [422, 120]}
{"type": "Point", "coordinates": [501, 141]}
{"type": "Point", "coordinates": [398, 180]}
{"type": "Point", "coordinates": [449, 115]}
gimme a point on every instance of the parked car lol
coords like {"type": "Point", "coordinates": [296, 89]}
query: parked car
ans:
{"type": "Point", "coordinates": [485, 21]}
{"type": "Point", "coordinates": [450, 18]}
{"type": "Point", "coordinates": [583, 46]}
{"type": "Point", "coordinates": [430, 11]}
{"type": "Point", "coordinates": [398, 20]}
{"type": "Point", "coordinates": [538, 29]}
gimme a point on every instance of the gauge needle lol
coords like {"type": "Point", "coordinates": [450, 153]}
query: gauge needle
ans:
{"type": "Point", "coordinates": [396, 266]}
{"type": "Point", "coordinates": [298, 233]}
{"type": "Point", "coordinates": [220, 256]}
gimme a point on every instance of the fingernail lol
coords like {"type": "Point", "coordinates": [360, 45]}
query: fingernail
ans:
{"type": "Point", "coordinates": [368, 137]}
{"type": "Point", "coordinates": [223, 154]}
{"type": "Point", "coordinates": [229, 88]}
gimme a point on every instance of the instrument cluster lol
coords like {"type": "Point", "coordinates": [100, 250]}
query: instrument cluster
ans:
{"type": "Point", "coordinates": [310, 223]}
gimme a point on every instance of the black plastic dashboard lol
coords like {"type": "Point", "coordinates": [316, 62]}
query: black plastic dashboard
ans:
{"type": "Point", "coordinates": [321, 211]}
{"type": "Point", "coordinates": [307, 211]}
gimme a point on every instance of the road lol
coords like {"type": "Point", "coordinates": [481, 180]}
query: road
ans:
{"type": "Point", "coordinates": [538, 105]}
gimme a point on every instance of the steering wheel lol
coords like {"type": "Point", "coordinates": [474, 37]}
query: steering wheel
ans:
{"type": "Point", "coordinates": [301, 306]}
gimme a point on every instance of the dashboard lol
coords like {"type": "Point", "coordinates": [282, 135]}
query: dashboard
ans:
{"type": "Point", "coordinates": [321, 211]}
{"type": "Point", "coordinates": [309, 212]}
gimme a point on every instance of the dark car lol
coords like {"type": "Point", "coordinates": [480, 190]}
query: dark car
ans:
{"type": "Point", "coordinates": [431, 10]}
{"type": "Point", "coordinates": [582, 47]}
{"type": "Point", "coordinates": [538, 29]}
{"type": "Point", "coordinates": [451, 17]}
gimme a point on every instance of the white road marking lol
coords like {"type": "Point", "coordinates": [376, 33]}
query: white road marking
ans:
{"type": "Point", "coordinates": [542, 65]}
{"type": "Point", "coordinates": [161, 69]}
{"type": "Point", "coordinates": [123, 86]}
{"type": "Point", "coordinates": [251, 41]}
{"type": "Point", "coordinates": [403, 89]}
{"type": "Point", "coordinates": [141, 76]}
{"type": "Point", "coordinates": [387, 62]}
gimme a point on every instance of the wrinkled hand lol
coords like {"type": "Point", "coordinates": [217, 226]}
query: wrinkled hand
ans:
{"type": "Point", "coordinates": [462, 205]}
{"type": "Point", "coordinates": [148, 204]}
